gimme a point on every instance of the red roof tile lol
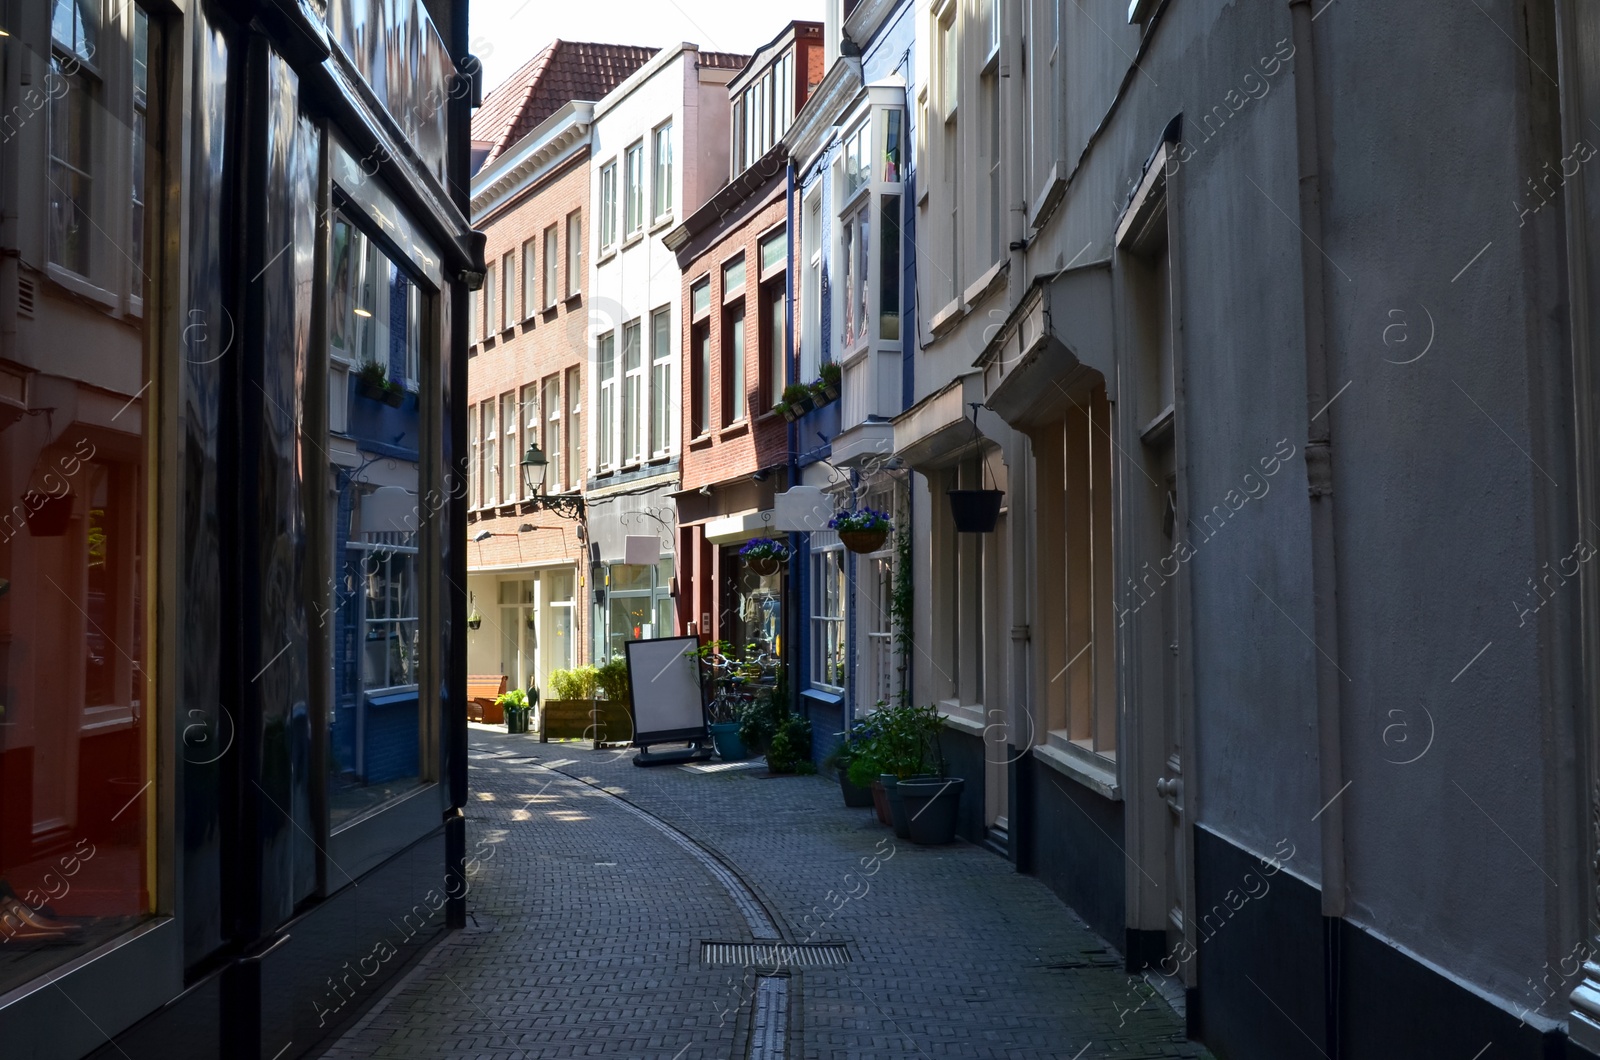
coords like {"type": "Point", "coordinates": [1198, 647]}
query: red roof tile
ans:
{"type": "Point", "coordinates": [562, 72]}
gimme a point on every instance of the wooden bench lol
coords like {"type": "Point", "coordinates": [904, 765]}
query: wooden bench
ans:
{"type": "Point", "coordinates": [482, 691]}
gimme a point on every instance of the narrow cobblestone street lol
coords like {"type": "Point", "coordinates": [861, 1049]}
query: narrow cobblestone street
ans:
{"type": "Point", "coordinates": [588, 918]}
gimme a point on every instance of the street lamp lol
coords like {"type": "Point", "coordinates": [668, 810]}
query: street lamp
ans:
{"type": "Point", "coordinates": [535, 465]}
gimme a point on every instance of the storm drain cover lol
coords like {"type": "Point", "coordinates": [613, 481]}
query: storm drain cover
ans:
{"type": "Point", "coordinates": [774, 954]}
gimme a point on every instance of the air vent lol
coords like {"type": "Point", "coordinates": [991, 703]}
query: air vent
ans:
{"type": "Point", "coordinates": [774, 955]}
{"type": "Point", "coordinates": [25, 297]}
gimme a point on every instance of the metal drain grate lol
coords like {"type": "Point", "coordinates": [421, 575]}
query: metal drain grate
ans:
{"type": "Point", "coordinates": [774, 954]}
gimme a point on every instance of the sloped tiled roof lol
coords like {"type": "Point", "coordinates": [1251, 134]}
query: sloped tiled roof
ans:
{"type": "Point", "coordinates": [562, 72]}
{"type": "Point", "coordinates": [724, 59]}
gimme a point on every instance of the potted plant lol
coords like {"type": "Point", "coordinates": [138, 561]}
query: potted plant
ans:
{"type": "Point", "coordinates": [612, 713]}
{"type": "Point", "coordinates": [373, 382]}
{"type": "Point", "coordinates": [906, 748]}
{"type": "Point", "coordinates": [571, 713]}
{"type": "Point", "coordinates": [516, 707]}
{"type": "Point", "coordinates": [797, 401]}
{"type": "Point", "coordinates": [827, 385]}
{"type": "Point", "coordinates": [855, 745]}
{"type": "Point", "coordinates": [724, 718]}
{"type": "Point", "coordinates": [790, 750]}
{"type": "Point", "coordinates": [861, 529]}
{"type": "Point", "coordinates": [975, 511]}
{"type": "Point", "coordinates": [764, 556]}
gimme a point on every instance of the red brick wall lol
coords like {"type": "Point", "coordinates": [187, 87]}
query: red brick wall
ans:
{"type": "Point", "coordinates": [761, 439]}
{"type": "Point", "coordinates": [549, 342]}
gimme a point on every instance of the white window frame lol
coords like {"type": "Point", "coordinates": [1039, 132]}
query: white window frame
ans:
{"type": "Point", "coordinates": [827, 556]}
{"type": "Point", "coordinates": [491, 451]}
{"type": "Point", "coordinates": [661, 383]}
{"type": "Point", "coordinates": [633, 189]}
{"type": "Point", "coordinates": [551, 387]}
{"type": "Point", "coordinates": [633, 387]}
{"type": "Point", "coordinates": [574, 253]}
{"type": "Point", "coordinates": [491, 316]}
{"type": "Point", "coordinates": [508, 280]}
{"type": "Point", "coordinates": [530, 275]}
{"type": "Point", "coordinates": [606, 419]}
{"type": "Point", "coordinates": [661, 185]}
{"type": "Point", "coordinates": [552, 267]}
{"type": "Point", "coordinates": [608, 205]}
{"type": "Point", "coordinates": [510, 457]}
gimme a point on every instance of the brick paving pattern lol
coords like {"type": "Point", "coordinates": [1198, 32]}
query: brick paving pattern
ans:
{"type": "Point", "coordinates": [588, 919]}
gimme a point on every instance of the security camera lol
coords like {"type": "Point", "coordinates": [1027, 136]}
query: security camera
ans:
{"type": "Point", "coordinates": [482, 535]}
{"type": "Point", "coordinates": [705, 491]}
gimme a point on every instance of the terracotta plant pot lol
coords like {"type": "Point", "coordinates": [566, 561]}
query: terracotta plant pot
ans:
{"type": "Point", "coordinates": [880, 802]}
{"type": "Point", "coordinates": [863, 540]}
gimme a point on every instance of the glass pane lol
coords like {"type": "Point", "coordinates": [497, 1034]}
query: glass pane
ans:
{"type": "Point", "coordinates": [733, 277]}
{"type": "Point", "coordinates": [772, 251]}
{"type": "Point", "coordinates": [889, 269]}
{"type": "Point", "coordinates": [79, 795]}
{"type": "Point", "coordinates": [700, 297]}
{"type": "Point", "coordinates": [891, 145]}
{"type": "Point", "coordinates": [631, 578]}
{"type": "Point", "coordinates": [374, 737]}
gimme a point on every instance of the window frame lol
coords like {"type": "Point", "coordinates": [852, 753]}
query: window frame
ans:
{"type": "Point", "coordinates": [608, 205]}
{"type": "Point", "coordinates": [606, 384]}
{"type": "Point", "coordinates": [700, 411]}
{"type": "Point", "coordinates": [661, 181]}
{"type": "Point", "coordinates": [530, 273]}
{"type": "Point", "coordinates": [633, 386]}
{"type": "Point", "coordinates": [508, 279]}
{"type": "Point", "coordinates": [633, 189]}
{"type": "Point", "coordinates": [660, 399]}
{"type": "Point", "coordinates": [552, 266]}
{"type": "Point", "coordinates": [826, 551]}
{"type": "Point", "coordinates": [574, 253]}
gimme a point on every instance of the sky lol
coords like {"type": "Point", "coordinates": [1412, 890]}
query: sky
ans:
{"type": "Point", "coordinates": [507, 33]}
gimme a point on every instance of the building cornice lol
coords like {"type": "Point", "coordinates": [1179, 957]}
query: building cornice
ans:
{"type": "Point", "coordinates": [867, 19]}
{"type": "Point", "coordinates": [827, 105]}
{"type": "Point", "coordinates": [538, 154]}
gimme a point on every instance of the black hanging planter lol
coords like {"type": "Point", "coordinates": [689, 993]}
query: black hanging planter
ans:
{"type": "Point", "coordinates": [45, 515]}
{"type": "Point", "coordinates": [975, 511]}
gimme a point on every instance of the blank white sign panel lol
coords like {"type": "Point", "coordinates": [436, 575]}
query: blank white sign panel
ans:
{"type": "Point", "coordinates": [665, 684]}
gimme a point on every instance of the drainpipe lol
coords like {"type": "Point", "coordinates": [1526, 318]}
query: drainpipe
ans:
{"type": "Point", "coordinates": [1319, 466]}
{"type": "Point", "coordinates": [792, 611]}
{"type": "Point", "coordinates": [1020, 728]}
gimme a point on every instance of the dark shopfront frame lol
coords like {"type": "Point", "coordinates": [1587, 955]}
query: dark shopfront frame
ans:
{"type": "Point", "coordinates": [256, 912]}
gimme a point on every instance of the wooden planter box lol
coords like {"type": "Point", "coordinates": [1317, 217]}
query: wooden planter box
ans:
{"type": "Point", "coordinates": [599, 720]}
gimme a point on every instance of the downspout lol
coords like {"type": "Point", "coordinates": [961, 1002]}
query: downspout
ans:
{"type": "Point", "coordinates": [792, 622]}
{"type": "Point", "coordinates": [1019, 725]}
{"type": "Point", "coordinates": [1319, 475]}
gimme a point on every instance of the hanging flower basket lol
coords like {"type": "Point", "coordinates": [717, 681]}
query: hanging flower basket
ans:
{"type": "Point", "coordinates": [975, 511]}
{"type": "Point", "coordinates": [764, 556]}
{"type": "Point", "coordinates": [474, 620]}
{"type": "Point", "coordinates": [46, 516]}
{"type": "Point", "coordinates": [861, 529]}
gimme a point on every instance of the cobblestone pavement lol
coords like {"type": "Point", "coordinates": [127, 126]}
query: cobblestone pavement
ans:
{"type": "Point", "coordinates": [589, 917]}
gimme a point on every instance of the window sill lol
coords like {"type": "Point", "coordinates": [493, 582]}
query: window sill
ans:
{"type": "Point", "coordinates": [661, 223]}
{"type": "Point", "coordinates": [636, 238]}
{"type": "Point", "coordinates": [78, 285]}
{"type": "Point", "coordinates": [531, 319]}
{"type": "Point", "coordinates": [734, 430]}
{"type": "Point", "coordinates": [1091, 770]}
{"type": "Point", "coordinates": [963, 717]}
{"type": "Point", "coordinates": [573, 299]}
{"type": "Point", "coordinates": [699, 441]}
{"type": "Point", "coordinates": [606, 254]}
{"type": "Point", "coordinates": [946, 318]}
{"type": "Point", "coordinates": [987, 284]}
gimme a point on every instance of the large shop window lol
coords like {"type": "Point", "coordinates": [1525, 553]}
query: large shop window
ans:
{"type": "Point", "coordinates": [377, 712]}
{"type": "Point", "coordinates": [638, 606]}
{"type": "Point", "coordinates": [757, 599]}
{"type": "Point", "coordinates": [827, 611]}
{"type": "Point", "coordinates": [78, 724]}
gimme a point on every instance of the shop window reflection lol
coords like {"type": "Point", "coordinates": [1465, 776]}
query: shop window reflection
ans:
{"type": "Point", "coordinates": [78, 791]}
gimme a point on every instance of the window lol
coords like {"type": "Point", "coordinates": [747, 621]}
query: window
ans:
{"type": "Point", "coordinates": [827, 611]}
{"type": "Point", "coordinates": [73, 30]}
{"type": "Point", "coordinates": [733, 363]}
{"type": "Point", "coordinates": [736, 151]}
{"type": "Point", "coordinates": [662, 189]}
{"type": "Point", "coordinates": [375, 315]}
{"type": "Point", "coordinates": [508, 290]}
{"type": "Point", "coordinates": [991, 96]}
{"type": "Point", "coordinates": [633, 189]}
{"type": "Point", "coordinates": [571, 434]}
{"type": "Point", "coordinates": [889, 269]}
{"type": "Point", "coordinates": [574, 253]}
{"type": "Point", "coordinates": [661, 381]}
{"type": "Point", "coordinates": [510, 455]}
{"type": "Point", "coordinates": [553, 447]}
{"type": "Point", "coordinates": [700, 373]}
{"type": "Point", "coordinates": [994, 29]}
{"type": "Point", "coordinates": [964, 594]}
{"type": "Point", "coordinates": [530, 272]}
{"type": "Point", "coordinates": [552, 262]}
{"type": "Point", "coordinates": [949, 64]}
{"type": "Point", "coordinates": [475, 471]}
{"type": "Point", "coordinates": [857, 161]}
{"type": "Point", "coordinates": [141, 85]}
{"type": "Point", "coordinates": [531, 434]}
{"type": "Point", "coordinates": [772, 336]}
{"type": "Point", "coordinates": [491, 319]}
{"type": "Point", "coordinates": [811, 288]}
{"type": "Point", "coordinates": [491, 453]}
{"type": "Point", "coordinates": [606, 363]}
{"type": "Point", "coordinates": [608, 205]}
{"type": "Point", "coordinates": [632, 390]}
{"type": "Point", "coordinates": [854, 247]}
